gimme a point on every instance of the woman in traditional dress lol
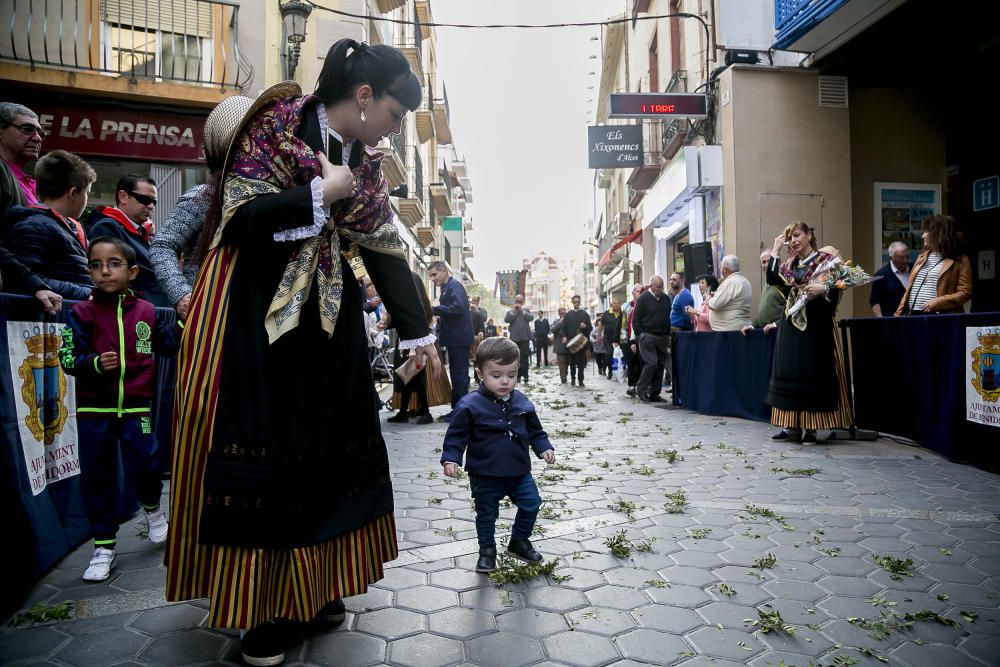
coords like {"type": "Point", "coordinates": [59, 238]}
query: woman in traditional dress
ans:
{"type": "Point", "coordinates": [807, 391]}
{"type": "Point", "coordinates": [281, 501]}
{"type": "Point", "coordinates": [941, 279]}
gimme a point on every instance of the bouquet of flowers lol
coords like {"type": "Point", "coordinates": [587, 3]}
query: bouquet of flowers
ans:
{"type": "Point", "coordinates": [835, 274]}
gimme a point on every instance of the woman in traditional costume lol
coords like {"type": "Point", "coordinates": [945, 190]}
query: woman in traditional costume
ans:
{"type": "Point", "coordinates": [808, 390]}
{"type": "Point", "coordinates": [281, 501]}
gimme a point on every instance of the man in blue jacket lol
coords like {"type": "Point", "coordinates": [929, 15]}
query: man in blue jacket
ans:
{"type": "Point", "coordinates": [454, 330]}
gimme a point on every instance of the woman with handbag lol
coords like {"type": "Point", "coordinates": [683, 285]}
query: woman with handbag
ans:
{"type": "Point", "coordinates": [941, 279]}
{"type": "Point", "coordinates": [408, 379]}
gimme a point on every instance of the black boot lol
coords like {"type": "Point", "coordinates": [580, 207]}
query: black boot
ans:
{"type": "Point", "coordinates": [522, 550]}
{"type": "Point", "coordinates": [487, 559]}
{"type": "Point", "coordinates": [401, 417]}
{"type": "Point", "coordinates": [333, 613]}
{"type": "Point", "coordinates": [265, 644]}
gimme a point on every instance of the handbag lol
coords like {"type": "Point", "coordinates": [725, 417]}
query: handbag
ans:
{"type": "Point", "coordinates": [408, 370]}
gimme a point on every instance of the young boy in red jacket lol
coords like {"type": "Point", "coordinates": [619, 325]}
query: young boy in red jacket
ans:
{"type": "Point", "coordinates": [108, 346]}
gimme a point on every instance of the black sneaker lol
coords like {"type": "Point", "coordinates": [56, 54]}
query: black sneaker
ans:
{"type": "Point", "coordinates": [487, 560]}
{"type": "Point", "coordinates": [785, 434]}
{"type": "Point", "coordinates": [265, 645]}
{"type": "Point", "coordinates": [522, 550]}
{"type": "Point", "coordinates": [425, 419]}
{"type": "Point", "coordinates": [402, 417]}
{"type": "Point", "coordinates": [809, 438]}
{"type": "Point", "coordinates": [333, 613]}
{"type": "Point", "coordinates": [631, 392]}
{"type": "Point", "coordinates": [573, 382]}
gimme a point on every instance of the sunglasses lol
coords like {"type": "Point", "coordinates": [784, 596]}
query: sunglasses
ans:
{"type": "Point", "coordinates": [29, 129]}
{"type": "Point", "coordinates": [145, 200]}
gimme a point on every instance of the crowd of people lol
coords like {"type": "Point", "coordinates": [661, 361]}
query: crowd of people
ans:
{"type": "Point", "coordinates": [279, 472]}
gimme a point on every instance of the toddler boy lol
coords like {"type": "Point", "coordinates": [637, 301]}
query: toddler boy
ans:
{"type": "Point", "coordinates": [108, 346]}
{"type": "Point", "coordinates": [493, 427]}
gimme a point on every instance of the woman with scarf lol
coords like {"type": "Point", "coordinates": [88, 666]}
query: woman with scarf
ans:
{"type": "Point", "coordinates": [808, 390]}
{"type": "Point", "coordinates": [281, 501]}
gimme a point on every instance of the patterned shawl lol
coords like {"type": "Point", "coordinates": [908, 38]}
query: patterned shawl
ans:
{"type": "Point", "coordinates": [268, 158]}
{"type": "Point", "coordinates": [799, 319]}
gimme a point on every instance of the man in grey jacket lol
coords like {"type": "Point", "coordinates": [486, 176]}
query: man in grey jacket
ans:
{"type": "Point", "coordinates": [520, 333]}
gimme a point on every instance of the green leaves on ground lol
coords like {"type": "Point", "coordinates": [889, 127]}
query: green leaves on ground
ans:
{"type": "Point", "coordinates": [621, 546]}
{"type": "Point", "coordinates": [676, 502]}
{"type": "Point", "coordinates": [896, 567]}
{"type": "Point", "coordinates": [512, 571]}
{"type": "Point", "coordinates": [43, 613]}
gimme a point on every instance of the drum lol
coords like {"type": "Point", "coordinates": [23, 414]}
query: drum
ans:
{"type": "Point", "coordinates": [576, 343]}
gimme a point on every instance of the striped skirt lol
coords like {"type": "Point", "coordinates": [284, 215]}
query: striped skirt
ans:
{"type": "Point", "coordinates": [245, 586]}
{"type": "Point", "coordinates": [842, 417]}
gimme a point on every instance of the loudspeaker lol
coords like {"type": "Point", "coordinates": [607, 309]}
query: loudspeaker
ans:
{"type": "Point", "coordinates": [697, 261]}
{"type": "Point", "coordinates": [742, 56]}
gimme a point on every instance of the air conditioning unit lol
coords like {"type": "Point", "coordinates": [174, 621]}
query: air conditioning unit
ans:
{"type": "Point", "coordinates": [624, 224]}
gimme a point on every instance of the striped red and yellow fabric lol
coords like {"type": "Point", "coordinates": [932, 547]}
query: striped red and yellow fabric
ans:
{"type": "Point", "coordinates": [842, 417]}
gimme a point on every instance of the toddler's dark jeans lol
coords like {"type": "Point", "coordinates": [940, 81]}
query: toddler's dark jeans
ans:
{"type": "Point", "coordinates": [487, 493]}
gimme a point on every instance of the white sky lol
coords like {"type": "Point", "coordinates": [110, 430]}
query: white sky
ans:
{"type": "Point", "coordinates": [519, 114]}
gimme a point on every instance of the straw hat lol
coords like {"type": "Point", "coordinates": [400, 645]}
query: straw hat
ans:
{"type": "Point", "coordinates": [275, 92]}
{"type": "Point", "coordinates": [222, 123]}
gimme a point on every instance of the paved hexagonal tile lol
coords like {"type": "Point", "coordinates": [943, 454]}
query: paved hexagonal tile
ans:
{"type": "Point", "coordinates": [491, 599]}
{"type": "Point", "coordinates": [616, 597]}
{"type": "Point", "coordinates": [679, 595]}
{"type": "Point", "coordinates": [700, 559]}
{"type": "Point", "coordinates": [142, 580]}
{"type": "Point", "coordinates": [795, 590]}
{"type": "Point", "coordinates": [581, 648]}
{"type": "Point", "coordinates": [734, 574]}
{"type": "Point", "coordinates": [346, 648]}
{"type": "Point", "coordinates": [728, 614]}
{"type": "Point", "coordinates": [964, 595]}
{"type": "Point", "coordinates": [805, 641]}
{"type": "Point", "coordinates": [425, 651]}
{"type": "Point", "coordinates": [531, 623]}
{"type": "Point", "coordinates": [631, 577]}
{"type": "Point", "coordinates": [667, 619]}
{"type": "Point", "coordinates": [580, 579]}
{"type": "Point", "coordinates": [917, 582]}
{"type": "Point", "coordinates": [652, 646]}
{"type": "Point", "coordinates": [398, 578]}
{"type": "Point", "coordinates": [602, 621]}
{"type": "Point", "coordinates": [690, 576]}
{"type": "Point", "coordinates": [426, 599]}
{"type": "Point", "coordinates": [929, 654]}
{"type": "Point", "coordinates": [373, 598]}
{"type": "Point", "coordinates": [556, 599]}
{"type": "Point", "coordinates": [850, 567]}
{"type": "Point", "coordinates": [183, 648]}
{"type": "Point", "coordinates": [390, 623]}
{"type": "Point", "coordinates": [745, 594]}
{"type": "Point", "coordinates": [959, 574]}
{"type": "Point", "coordinates": [462, 623]}
{"type": "Point", "coordinates": [983, 647]}
{"type": "Point", "coordinates": [597, 562]}
{"type": "Point", "coordinates": [851, 586]}
{"type": "Point", "coordinates": [169, 619]}
{"type": "Point", "coordinates": [459, 580]}
{"type": "Point", "coordinates": [102, 648]}
{"type": "Point", "coordinates": [504, 649]}
{"type": "Point", "coordinates": [30, 643]}
{"type": "Point", "coordinates": [725, 643]}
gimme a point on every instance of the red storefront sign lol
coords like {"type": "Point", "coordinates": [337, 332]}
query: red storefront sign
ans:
{"type": "Point", "coordinates": [152, 136]}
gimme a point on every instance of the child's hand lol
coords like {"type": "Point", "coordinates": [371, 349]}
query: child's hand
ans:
{"type": "Point", "coordinates": [108, 361]}
{"type": "Point", "coordinates": [450, 469]}
{"type": "Point", "coordinates": [550, 456]}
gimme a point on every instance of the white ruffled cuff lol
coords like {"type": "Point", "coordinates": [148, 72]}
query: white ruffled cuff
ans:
{"type": "Point", "coordinates": [319, 217]}
{"type": "Point", "coordinates": [417, 342]}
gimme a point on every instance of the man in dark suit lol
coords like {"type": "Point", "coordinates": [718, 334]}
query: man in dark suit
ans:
{"type": "Point", "coordinates": [542, 331]}
{"type": "Point", "coordinates": [577, 321]}
{"type": "Point", "coordinates": [455, 329]}
{"type": "Point", "coordinates": [888, 292]}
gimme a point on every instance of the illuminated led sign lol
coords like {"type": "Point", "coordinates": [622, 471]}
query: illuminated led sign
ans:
{"type": "Point", "coordinates": [658, 105]}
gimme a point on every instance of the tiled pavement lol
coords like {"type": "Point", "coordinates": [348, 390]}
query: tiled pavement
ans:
{"type": "Point", "coordinates": [691, 600]}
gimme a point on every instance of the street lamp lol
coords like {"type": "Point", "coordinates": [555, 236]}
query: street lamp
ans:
{"type": "Point", "coordinates": [294, 16]}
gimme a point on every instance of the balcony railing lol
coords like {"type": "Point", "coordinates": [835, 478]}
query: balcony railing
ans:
{"type": "Point", "coordinates": [442, 117]}
{"type": "Point", "coordinates": [189, 41]}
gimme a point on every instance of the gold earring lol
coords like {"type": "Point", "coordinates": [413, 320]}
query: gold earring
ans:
{"type": "Point", "coordinates": [363, 119]}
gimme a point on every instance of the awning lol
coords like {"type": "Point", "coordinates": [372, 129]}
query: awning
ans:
{"type": "Point", "coordinates": [606, 257]}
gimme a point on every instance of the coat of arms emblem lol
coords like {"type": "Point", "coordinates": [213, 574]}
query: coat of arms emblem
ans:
{"type": "Point", "coordinates": [43, 384]}
{"type": "Point", "coordinates": [986, 365]}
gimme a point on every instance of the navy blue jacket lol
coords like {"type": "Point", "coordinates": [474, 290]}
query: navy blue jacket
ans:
{"type": "Point", "coordinates": [43, 242]}
{"type": "Point", "coordinates": [145, 283]}
{"type": "Point", "coordinates": [888, 291]}
{"type": "Point", "coordinates": [494, 435]}
{"type": "Point", "coordinates": [456, 318]}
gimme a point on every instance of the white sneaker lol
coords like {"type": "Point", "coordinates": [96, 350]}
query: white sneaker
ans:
{"type": "Point", "coordinates": [156, 526]}
{"type": "Point", "coordinates": [100, 564]}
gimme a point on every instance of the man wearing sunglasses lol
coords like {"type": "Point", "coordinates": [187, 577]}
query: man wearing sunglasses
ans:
{"type": "Point", "coordinates": [135, 197]}
{"type": "Point", "coordinates": [20, 143]}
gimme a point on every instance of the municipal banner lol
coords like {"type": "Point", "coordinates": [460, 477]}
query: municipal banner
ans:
{"type": "Point", "coordinates": [45, 401]}
{"type": "Point", "coordinates": [982, 385]}
{"type": "Point", "coordinates": [508, 285]}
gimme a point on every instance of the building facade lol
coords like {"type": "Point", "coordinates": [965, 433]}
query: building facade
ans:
{"type": "Point", "coordinates": [813, 115]}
